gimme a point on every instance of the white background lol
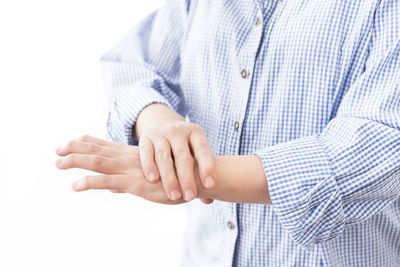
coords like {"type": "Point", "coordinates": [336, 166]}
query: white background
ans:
{"type": "Point", "coordinates": [51, 91]}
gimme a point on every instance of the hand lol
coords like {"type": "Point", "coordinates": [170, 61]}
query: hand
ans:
{"type": "Point", "coordinates": [119, 163]}
{"type": "Point", "coordinates": [167, 142]}
{"type": "Point", "coordinates": [122, 173]}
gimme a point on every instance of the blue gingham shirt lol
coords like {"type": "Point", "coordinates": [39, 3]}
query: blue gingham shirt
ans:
{"type": "Point", "coordinates": [310, 86]}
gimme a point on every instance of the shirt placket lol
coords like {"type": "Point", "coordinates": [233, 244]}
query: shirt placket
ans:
{"type": "Point", "coordinates": [248, 62]}
{"type": "Point", "coordinates": [246, 59]}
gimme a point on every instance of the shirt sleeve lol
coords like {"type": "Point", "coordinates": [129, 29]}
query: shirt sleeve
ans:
{"type": "Point", "coordinates": [144, 68]}
{"type": "Point", "coordinates": [323, 183]}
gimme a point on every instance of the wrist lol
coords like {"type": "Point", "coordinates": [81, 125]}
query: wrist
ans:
{"type": "Point", "coordinates": [239, 179]}
{"type": "Point", "coordinates": [222, 184]}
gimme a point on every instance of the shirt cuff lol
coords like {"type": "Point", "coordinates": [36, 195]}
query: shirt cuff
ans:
{"type": "Point", "coordinates": [303, 190]}
{"type": "Point", "coordinates": [123, 114]}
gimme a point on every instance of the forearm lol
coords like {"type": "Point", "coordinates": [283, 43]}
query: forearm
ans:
{"type": "Point", "coordinates": [240, 179]}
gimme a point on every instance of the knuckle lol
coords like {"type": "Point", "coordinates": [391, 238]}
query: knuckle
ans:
{"type": "Point", "coordinates": [207, 168]}
{"type": "Point", "coordinates": [163, 154]}
{"type": "Point", "coordinates": [69, 161]}
{"type": "Point", "coordinates": [181, 125]}
{"type": "Point", "coordinates": [69, 146]}
{"type": "Point", "coordinates": [172, 129]}
{"type": "Point", "coordinates": [183, 156]}
{"type": "Point", "coordinates": [146, 149]}
{"type": "Point", "coordinates": [93, 148]}
{"type": "Point", "coordinates": [86, 182]}
{"type": "Point", "coordinates": [147, 163]}
{"type": "Point", "coordinates": [156, 132]}
{"type": "Point", "coordinates": [97, 161]}
{"type": "Point", "coordinates": [111, 182]}
{"type": "Point", "coordinates": [197, 128]}
{"type": "Point", "coordinates": [201, 153]}
{"type": "Point", "coordinates": [176, 127]}
{"type": "Point", "coordinates": [168, 179]}
{"type": "Point", "coordinates": [207, 165]}
{"type": "Point", "coordinates": [83, 138]}
{"type": "Point", "coordinates": [203, 148]}
{"type": "Point", "coordinates": [143, 140]}
{"type": "Point", "coordinates": [188, 183]}
{"type": "Point", "coordinates": [170, 183]}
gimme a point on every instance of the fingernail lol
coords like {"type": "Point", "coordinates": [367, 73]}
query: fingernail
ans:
{"type": "Point", "coordinates": [152, 176]}
{"type": "Point", "coordinates": [78, 185]}
{"type": "Point", "coordinates": [189, 195]}
{"type": "Point", "coordinates": [209, 182]}
{"type": "Point", "coordinates": [175, 194]}
{"type": "Point", "coordinates": [58, 149]}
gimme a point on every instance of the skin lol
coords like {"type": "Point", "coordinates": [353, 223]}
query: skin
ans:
{"type": "Point", "coordinates": [241, 179]}
{"type": "Point", "coordinates": [173, 156]}
{"type": "Point", "coordinates": [169, 147]}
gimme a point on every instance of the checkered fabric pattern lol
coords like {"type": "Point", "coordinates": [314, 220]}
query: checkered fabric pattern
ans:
{"type": "Point", "coordinates": [310, 86]}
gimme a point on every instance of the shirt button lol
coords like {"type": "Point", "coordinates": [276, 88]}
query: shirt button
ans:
{"type": "Point", "coordinates": [258, 21]}
{"type": "Point", "coordinates": [236, 125]}
{"type": "Point", "coordinates": [245, 74]}
{"type": "Point", "coordinates": [231, 225]}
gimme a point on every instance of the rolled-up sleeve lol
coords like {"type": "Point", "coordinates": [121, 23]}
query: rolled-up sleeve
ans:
{"type": "Point", "coordinates": [144, 68]}
{"type": "Point", "coordinates": [350, 171]}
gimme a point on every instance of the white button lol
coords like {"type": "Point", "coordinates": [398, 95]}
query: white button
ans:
{"type": "Point", "coordinates": [244, 73]}
{"type": "Point", "coordinates": [258, 21]}
{"type": "Point", "coordinates": [236, 125]}
{"type": "Point", "coordinates": [231, 225]}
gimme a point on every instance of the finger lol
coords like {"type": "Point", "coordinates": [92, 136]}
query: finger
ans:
{"type": "Point", "coordinates": [207, 200]}
{"type": "Point", "coordinates": [97, 141]}
{"type": "Point", "coordinates": [94, 163]}
{"type": "Point", "coordinates": [147, 159]}
{"type": "Point", "coordinates": [111, 182]}
{"type": "Point", "coordinates": [184, 166]}
{"type": "Point", "coordinates": [165, 165]}
{"type": "Point", "coordinates": [204, 157]}
{"type": "Point", "coordinates": [77, 147]}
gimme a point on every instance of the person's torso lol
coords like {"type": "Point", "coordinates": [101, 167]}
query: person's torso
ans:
{"type": "Point", "coordinates": [251, 85]}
